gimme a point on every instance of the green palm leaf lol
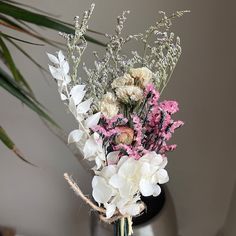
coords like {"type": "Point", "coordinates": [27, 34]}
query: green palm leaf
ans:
{"type": "Point", "coordinates": [11, 145]}
{"type": "Point", "coordinates": [6, 36]}
{"type": "Point", "coordinates": [26, 54]}
{"type": "Point", "coordinates": [39, 19]}
{"type": "Point", "coordinates": [8, 84]}
{"type": "Point", "coordinates": [11, 65]}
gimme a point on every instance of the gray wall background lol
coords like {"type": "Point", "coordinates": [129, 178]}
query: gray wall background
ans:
{"type": "Point", "coordinates": [37, 201]}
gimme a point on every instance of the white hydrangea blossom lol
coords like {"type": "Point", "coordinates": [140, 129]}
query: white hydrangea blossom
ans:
{"type": "Point", "coordinates": [119, 186]}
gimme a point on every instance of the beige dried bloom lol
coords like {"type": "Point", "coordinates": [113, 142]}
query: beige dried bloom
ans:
{"type": "Point", "coordinates": [142, 76]}
{"type": "Point", "coordinates": [125, 136]}
{"type": "Point", "coordinates": [109, 105]}
{"type": "Point", "coordinates": [128, 94]}
{"type": "Point", "coordinates": [126, 79]}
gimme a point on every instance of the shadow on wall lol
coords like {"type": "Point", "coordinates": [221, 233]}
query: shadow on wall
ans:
{"type": "Point", "coordinates": [229, 228]}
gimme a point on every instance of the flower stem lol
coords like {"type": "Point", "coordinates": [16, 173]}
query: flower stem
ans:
{"type": "Point", "coordinates": [122, 227]}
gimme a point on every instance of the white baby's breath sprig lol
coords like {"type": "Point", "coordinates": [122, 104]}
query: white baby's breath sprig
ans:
{"type": "Point", "coordinates": [76, 43]}
{"type": "Point", "coordinates": [161, 55]}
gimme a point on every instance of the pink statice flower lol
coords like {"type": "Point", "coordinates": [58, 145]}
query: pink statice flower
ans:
{"type": "Point", "coordinates": [170, 107]}
{"type": "Point", "coordinates": [142, 132]}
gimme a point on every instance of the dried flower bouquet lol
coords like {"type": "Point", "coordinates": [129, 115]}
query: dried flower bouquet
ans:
{"type": "Point", "coordinates": [122, 126]}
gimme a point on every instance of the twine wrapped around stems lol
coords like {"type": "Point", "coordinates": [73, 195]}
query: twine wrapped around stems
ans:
{"type": "Point", "coordinates": [122, 223]}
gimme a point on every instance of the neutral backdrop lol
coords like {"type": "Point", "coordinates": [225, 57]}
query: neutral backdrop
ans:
{"type": "Point", "coordinates": [38, 202]}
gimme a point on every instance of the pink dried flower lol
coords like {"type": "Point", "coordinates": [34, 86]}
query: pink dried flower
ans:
{"type": "Point", "coordinates": [169, 106]}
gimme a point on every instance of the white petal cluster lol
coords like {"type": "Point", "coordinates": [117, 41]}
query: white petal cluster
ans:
{"type": "Point", "coordinates": [119, 186]}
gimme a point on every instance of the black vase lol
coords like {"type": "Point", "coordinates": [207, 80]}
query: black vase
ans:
{"type": "Point", "coordinates": [158, 220]}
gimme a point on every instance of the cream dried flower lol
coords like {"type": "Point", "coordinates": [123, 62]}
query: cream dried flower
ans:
{"type": "Point", "coordinates": [109, 105]}
{"type": "Point", "coordinates": [142, 76]}
{"type": "Point", "coordinates": [126, 79]}
{"type": "Point", "coordinates": [128, 94]}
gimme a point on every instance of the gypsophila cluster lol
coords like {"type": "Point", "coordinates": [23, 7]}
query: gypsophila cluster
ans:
{"type": "Point", "coordinates": [123, 127]}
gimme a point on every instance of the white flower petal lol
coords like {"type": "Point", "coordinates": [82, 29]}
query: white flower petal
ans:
{"type": "Point", "coordinates": [145, 168]}
{"type": "Point", "coordinates": [117, 181]}
{"type": "Point", "coordinates": [122, 160]}
{"type": "Point", "coordinates": [146, 188]}
{"type": "Point", "coordinates": [128, 167]}
{"type": "Point", "coordinates": [55, 72]}
{"type": "Point", "coordinates": [126, 190]}
{"type": "Point", "coordinates": [65, 67]}
{"type": "Point", "coordinates": [67, 79]}
{"type": "Point", "coordinates": [77, 89]}
{"type": "Point", "coordinates": [110, 210]}
{"type": "Point", "coordinates": [98, 162]}
{"type": "Point", "coordinates": [157, 160]}
{"type": "Point", "coordinates": [157, 190]}
{"type": "Point", "coordinates": [162, 176]}
{"type": "Point", "coordinates": [153, 157]}
{"type": "Point", "coordinates": [113, 157]}
{"type": "Point", "coordinates": [84, 107]}
{"type": "Point", "coordinates": [53, 59]}
{"type": "Point", "coordinates": [75, 136]}
{"type": "Point", "coordinates": [164, 163]}
{"type": "Point", "coordinates": [72, 107]}
{"type": "Point", "coordinates": [102, 192]}
{"type": "Point", "coordinates": [108, 171]}
{"type": "Point", "coordinates": [93, 120]}
{"type": "Point", "coordinates": [90, 147]}
{"type": "Point", "coordinates": [63, 97]}
{"type": "Point", "coordinates": [61, 57]}
{"type": "Point", "coordinates": [77, 93]}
